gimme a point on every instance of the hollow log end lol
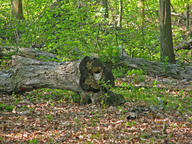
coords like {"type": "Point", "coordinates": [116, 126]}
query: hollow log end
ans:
{"type": "Point", "coordinates": [92, 72]}
{"type": "Point", "coordinates": [95, 80]}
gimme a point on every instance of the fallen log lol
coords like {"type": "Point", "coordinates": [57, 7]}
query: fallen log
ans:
{"type": "Point", "coordinates": [26, 52]}
{"type": "Point", "coordinates": [88, 77]}
{"type": "Point", "coordinates": [185, 45]}
{"type": "Point", "coordinates": [176, 71]}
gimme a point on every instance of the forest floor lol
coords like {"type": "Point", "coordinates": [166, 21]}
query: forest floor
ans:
{"type": "Point", "coordinates": [48, 116]}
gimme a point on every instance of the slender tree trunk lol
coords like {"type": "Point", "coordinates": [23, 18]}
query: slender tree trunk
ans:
{"type": "Point", "coordinates": [187, 17]}
{"type": "Point", "coordinates": [141, 6]}
{"type": "Point", "coordinates": [17, 9]}
{"type": "Point", "coordinates": [120, 13]}
{"type": "Point", "coordinates": [104, 3]}
{"type": "Point", "coordinates": [166, 43]}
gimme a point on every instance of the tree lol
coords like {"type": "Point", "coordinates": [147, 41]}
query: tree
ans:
{"type": "Point", "coordinates": [187, 16]}
{"type": "Point", "coordinates": [104, 4]}
{"type": "Point", "coordinates": [166, 43]}
{"type": "Point", "coordinates": [141, 5]}
{"type": "Point", "coordinates": [120, 13]}
{"type": "Point", "coordinates": [17, 9]}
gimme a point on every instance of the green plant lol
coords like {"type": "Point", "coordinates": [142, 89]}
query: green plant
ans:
{"type": "Point", "coordinates": [76, 120]}
{"type": "Point", "coordinates": [110, 54]}
{"type": "Point", "coordinates": [16, 101]}
{"type": "Point", "coordinates": [6, 107]}
{"type": "Point", "coordinates": [76, 97]}
{"type": "Point", "coordinates": [94, 120]}
{"type": "Point", "coordinates": [130, 124]}
{"type": "Point", "coordinates": [2, 140]}
{"type": "Point", "coordinates": [137, 75]}
{"type": "Point", "coordinates": [97, 135]}
{"type": "Point", "coordinates": [88, 143]}
{"type": "Point", "coordinates": [49, 117]}
{"type": "Point", "coordinates": [181, 92]}
{"type": "Point", "coordinates": [119, 72]}
{"type": "Point", "coordinates": [135, 71]}
{"type": "Point", "coordinates": [34, 141]}
{"type": "Point", "coordinates": [165, 64]}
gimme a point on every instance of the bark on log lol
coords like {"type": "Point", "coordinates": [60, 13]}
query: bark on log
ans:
{"type": "Point", "coordinates": [176, 71]}
{"type": "Point", "coordinates": [153, 68]}
{"type": "Point", "coordinates": [26, 52]}
{"type": "Point", "coordinates": [83, 76]}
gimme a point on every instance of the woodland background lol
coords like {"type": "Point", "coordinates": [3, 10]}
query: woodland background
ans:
{"type": "Point", "coordinates": [158, 109]}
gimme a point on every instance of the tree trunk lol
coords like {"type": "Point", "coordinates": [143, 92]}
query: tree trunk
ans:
{"type": "Point", "coordinates": [166, 43]}
{"type": "Point", "coordinates": [104, 4]}
{"type": "Point", "coordinates": [141, 5]}
{"type": "Point", "coordinates": [187, 16]}
{"type": "Point", "coordinates": [120, 13]}
{"type": "Point", "coordinates": [87, 77]}
{"type": "Point", "coordinates": [17, 9]}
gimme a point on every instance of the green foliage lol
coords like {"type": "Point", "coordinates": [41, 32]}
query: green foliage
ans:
{"type": "Point", "coordinates": [156, 97]}
{"type": "Point", "coordinates": [110, 54]}
{"type": "Point", "coordinates": [137, 75]}
{"type": "Point", "coordinates": [97, 135]}
{"type": "Point", "coordinates": [48, 95]}
{"type": "Point", "coordinates": [34, 141]}
{"type": "Point", "coordinates": [63, 26]}
{"type": "Point", "coordinates": [76, 98]}
{"type": "Point", "coordinates": [130, 124]}
{"type": "Point", "coordinates": [49, 117]}
{"type": "Point", "coordinates": [6, 107]}
{"type": "Point", "coordinates": [60, 30]}
{"type": "Point", "coordinates": [2, 140]}
{"type": "Point", "coordinates": [165, 63]}
{"type": "Point", "coordinates": [119, 72]}
{"type": "Point", "coordinates": [135, 71]}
